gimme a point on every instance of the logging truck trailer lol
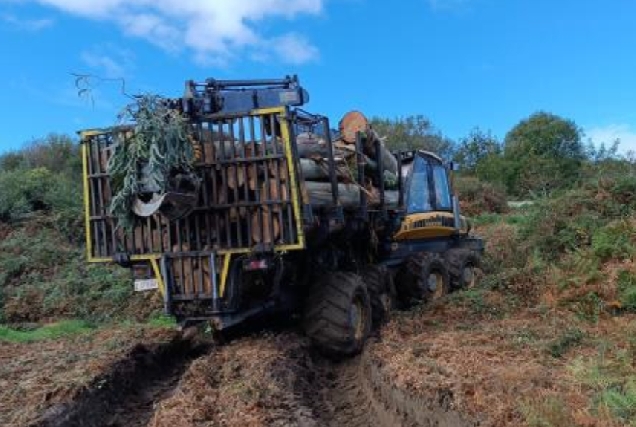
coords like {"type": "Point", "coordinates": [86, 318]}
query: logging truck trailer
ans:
{"type": "Point", "coordinates": [282, 213]}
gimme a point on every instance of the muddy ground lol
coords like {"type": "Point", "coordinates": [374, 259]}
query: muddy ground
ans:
{"type": "Point", "coordinates": [446, 365]}
{"type": "Point", "coordinates": [267, 379]}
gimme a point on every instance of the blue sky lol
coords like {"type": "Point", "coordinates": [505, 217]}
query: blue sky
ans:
{"type": "Point", "coordinates": [462, 63]}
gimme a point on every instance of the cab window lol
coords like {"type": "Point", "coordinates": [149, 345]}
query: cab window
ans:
{"type": "Point", "coordinates": [419, 197]}
{"type": "Point", "coordinates": [442, 189]}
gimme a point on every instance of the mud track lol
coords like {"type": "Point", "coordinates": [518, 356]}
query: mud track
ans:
{"type": "Point", "coordinates": [349, 393]}
{"type": "Point", "coordinates": [126, 395]}
{"type": "Point", "coordinates": [354, 393]}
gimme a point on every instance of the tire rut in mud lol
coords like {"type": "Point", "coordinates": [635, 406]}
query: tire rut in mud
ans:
{"type": "Point", "coordinates": [346, 398]}
{"type": "Point", "coordinates": [355, 393]}
{"type": "Point", "coordinates": [322, 393]}
{"type": "Point", "coordinates": [126, 396]}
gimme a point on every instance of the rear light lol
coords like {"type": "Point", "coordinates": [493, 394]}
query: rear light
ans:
{"type": "Point", "coordinates": [256, 264]}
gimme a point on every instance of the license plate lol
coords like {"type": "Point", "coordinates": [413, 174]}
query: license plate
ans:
{"type": "Point", "coordinates": [146, 284]}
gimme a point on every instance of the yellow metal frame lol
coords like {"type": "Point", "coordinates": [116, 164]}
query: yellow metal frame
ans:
{"type": "Point", "coordinates": [154, 258]}
{"type": "Point", "coordinates": [431, 226]}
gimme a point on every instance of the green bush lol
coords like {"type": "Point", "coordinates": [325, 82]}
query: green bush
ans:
{"type": "Point", "coordinates": [614, 241]}
{"type": "Point", "coordinates": [563, 343]}
{"type": "Point", "coordinates": [58, 153]}
{"type": "Point", "coordinates": [478, 197]}
{"type": "Point", "coordinates": [570, 221]}
{"type": "Point", "coordinates": [627, 290]}
{"type": "Point", "coordinates": [44, 276]}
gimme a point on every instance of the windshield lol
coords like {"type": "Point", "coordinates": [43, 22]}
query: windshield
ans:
{"type": "Point", "coordinates": [427, 186]}
{"type": "Point", "coordinates": [419, 198]}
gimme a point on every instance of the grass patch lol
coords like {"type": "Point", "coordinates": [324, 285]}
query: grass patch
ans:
{"type": "Point", "coordinates": [487, 219]}
{"type": "Point", "coordinates": [162, 321]}
{"type": "Point", "coordinates": [627, 290]}
{"type": "Point", "coordinates": [53, 331]}
{"type": "Point", "coordinates": [611, 376]}
{"type": "Point", "coordinates": [69, 328]}
{"type": "Point", "coordinates": [569, 339]}
{"type": "Point", "coordinates": [549, 411]}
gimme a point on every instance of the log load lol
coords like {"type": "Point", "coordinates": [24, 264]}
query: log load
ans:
{"type": "Point", "coordinates": [314, 165]}
{"type": "Point", "coordinates": [348, 195]}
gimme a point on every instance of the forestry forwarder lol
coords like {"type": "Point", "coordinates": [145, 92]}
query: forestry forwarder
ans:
{"type": "Point", "coordinates": [281, 213]}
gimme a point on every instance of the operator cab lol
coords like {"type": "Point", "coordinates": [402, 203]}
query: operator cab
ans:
{"type": "Point", "coordinates": [430, 211]}
{"type": "Point", "coordinates": [427, 185]}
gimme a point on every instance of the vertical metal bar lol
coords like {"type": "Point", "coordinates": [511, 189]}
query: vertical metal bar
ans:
{"type": "Point", "coordinates": [103, 241]}
{"type": "Point", "coordinates": [360, 168]}
{"type": "Point", "coordinates": [294, 182]}
{"type": "Point", "coordinates": [90, 146]}
{"type": "Point", "coordinates": [87, 208]}
{"type": "Point", "coordinates": [331, 163]}
{"type": "Point", "coordinates": [268, 194]}
{"type": "Point", "coordinates": [246, 184]}
{"type": "Point", "coordinates": [197, 230]}
{"type": "Point", "coordinates": [167, 281]}
{"type": "Point", "coordinates": [180, 258]}
{"type": "Point", "coordinates": [206, 168]}
{"type": "Point", "coordinates": [236, 184]}
{"type": "Point", "coordinates": [279, 188]}
{"type": "Point", "coordinates": [215, 283]}
{"type": "Point", "coordinates": [214, 204]}
{"type": "Point", "coordinates": [188, 283]}
{"type": "Point", "coordinates": [150, 241]}
{"type": "Point", "coordinates": [188, 234]}
{"type": "Point", "coordinates": [160, 229]}
{"type": "Point", "coordinates": [169, 232]}
{"type": "Point", "coordinates": [253, 166]}
{"type": "Point", "coordinates": [272, 131]}
{"type": "Point", "coordinates": [380, 173]}
{"type": "Point", "coordinates": [200, 282]}
{"type": "Point", "coordinates": [224, 189]}
{"type": "Point", "coordinates": [108, 193]}
{"type": "Point", "coordinates": [290, 132]}
{"type": "Point", "coordinates": [208, 212]}
{"type": "Point", "coordinates": [400, 184]}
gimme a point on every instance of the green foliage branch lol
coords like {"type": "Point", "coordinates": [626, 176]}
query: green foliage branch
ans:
{"type": "Point", "coordinates": [145, 157]}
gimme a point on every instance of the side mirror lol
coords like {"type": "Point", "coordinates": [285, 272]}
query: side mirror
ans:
{"type": "Point", "coordinates": [453, 166]}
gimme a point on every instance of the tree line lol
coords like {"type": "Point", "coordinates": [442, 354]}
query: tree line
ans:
{"type": "Point", "coordinates": [542, 154]}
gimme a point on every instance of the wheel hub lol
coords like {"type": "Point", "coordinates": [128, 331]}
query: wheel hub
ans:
{"type": "Point", "coordinates": [468, 276]}
{"type": "Point", "coordinates": [435, 285]}
{"type": "Point", "coordinates": [356, 317]}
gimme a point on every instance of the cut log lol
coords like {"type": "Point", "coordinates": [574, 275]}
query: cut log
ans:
{"type": "Point", "coordinates": [348, 195]}
{"type": "Point", "coordinates": [235, 177]}
{"type": "Point", "coordinates": [351, 124]}
{"type": "Point", "coordinates": [313, 170]}
{"type": "Point", "coordinates": [275, 194]}
{"type": "Point", "coordinates": [264, 236]}
{"type": "Point", "coordinates": [277, 169]}
{"type": "Point", "coordinates": [389, 162]}
{"type": "Point", "coordinates": [310, 144]}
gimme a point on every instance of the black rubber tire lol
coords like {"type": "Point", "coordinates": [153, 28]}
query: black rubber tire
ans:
{"type": "Point", "coordinates": [458, 260]}
{"type": "Point", "coordinates": [381, 290]}
{"type": "Point", "coordinates": [328, 320]}
{"type": "Point", "coordinates": [414, 287]}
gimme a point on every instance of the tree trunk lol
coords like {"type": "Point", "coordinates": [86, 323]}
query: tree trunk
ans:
{"type": "Point", "coordinates": [348, 195]}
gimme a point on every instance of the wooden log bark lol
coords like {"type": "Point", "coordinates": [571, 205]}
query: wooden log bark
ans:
{"type": "Point", "coordinates": [261, 232]}
{"type": "Point", "coordinates": [389, 162]}
{"type": "Point", "coordinates": [313, 170]}
{"type": "Point", "coordinates": [348, 195]}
